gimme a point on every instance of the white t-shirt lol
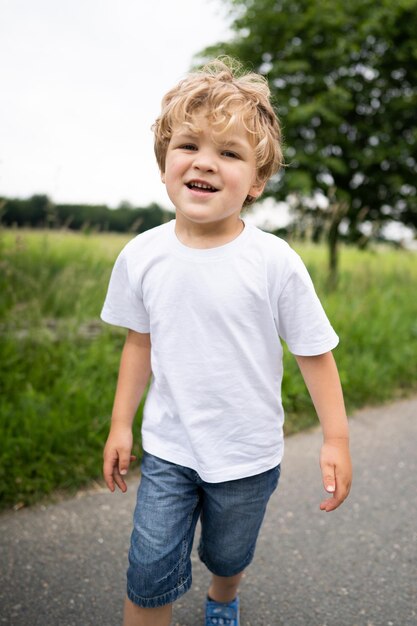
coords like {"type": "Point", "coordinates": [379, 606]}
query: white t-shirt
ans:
{"type": "Point", "coordinates": [215, 317]}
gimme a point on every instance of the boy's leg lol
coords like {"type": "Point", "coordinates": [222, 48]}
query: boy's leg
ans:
{"type": "Point", "coordinates": [224, 588]}
{"type": "Point", "coordinates": [166, 513]}
{"type": "Point", "coordinates": [137, 616]}
{"type": "Point", "coordinates": [232, 514]}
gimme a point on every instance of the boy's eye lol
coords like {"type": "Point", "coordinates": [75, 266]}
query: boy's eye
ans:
{"type": "Point", "coordinates": [188, 146]}
{"type": "Point", "coordinates": [230, 154]}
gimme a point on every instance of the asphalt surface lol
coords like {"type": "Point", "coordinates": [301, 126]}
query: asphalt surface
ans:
{"type": "Point", "coordinates": [64, 564]}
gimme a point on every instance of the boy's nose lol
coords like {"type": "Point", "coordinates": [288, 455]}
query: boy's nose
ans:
{"type": "Point", "coordinates": [205, 161]}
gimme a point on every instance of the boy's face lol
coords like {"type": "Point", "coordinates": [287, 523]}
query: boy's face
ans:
{"type": "Point", "coordinates": [208, 176]}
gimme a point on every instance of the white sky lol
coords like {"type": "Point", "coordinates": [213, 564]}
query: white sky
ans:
{"type": "Point", "coordinates": [80, 85]}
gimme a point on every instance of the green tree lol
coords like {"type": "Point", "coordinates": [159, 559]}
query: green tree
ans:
{"type": "Point", "coordinates": [344, 80]}
{"type": "Point", "coordinates": [38, 210]}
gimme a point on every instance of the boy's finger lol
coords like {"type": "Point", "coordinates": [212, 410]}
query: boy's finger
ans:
{"type": "Point", "coordinates": [124, 462]}
{"type": "Point", "coordinates": [329, 505]}
{"type": "Point", "coordinates": [108, 467]}
{"type": "Point", "coordinates": [121, 471]}
{"type": "Point", "coordinates": [118, 479]}
{"type": "Point", "coordinates": [339, 496]}
{"type": "Point", "coordinates": [329, 478]}
{"type": "Point", "coordinates": [109, 482]}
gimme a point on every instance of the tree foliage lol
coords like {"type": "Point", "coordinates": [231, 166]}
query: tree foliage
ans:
{"type": "Point", "coordinates": [40, 212]}
{"type": "Point", "coordinates": [344, 80]}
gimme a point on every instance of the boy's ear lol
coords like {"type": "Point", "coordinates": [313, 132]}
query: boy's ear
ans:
{"type": "Point", "coordinates": [256, 189]}
{"type": "Point", "coordinates": [163, 177]}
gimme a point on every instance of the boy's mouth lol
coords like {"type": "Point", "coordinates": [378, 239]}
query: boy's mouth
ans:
{"type": "Point", "coordinates": [196, 184]}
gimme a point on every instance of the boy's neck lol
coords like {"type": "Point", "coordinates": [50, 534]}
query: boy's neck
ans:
{"type": "Point", "coordinates": [212, 235]}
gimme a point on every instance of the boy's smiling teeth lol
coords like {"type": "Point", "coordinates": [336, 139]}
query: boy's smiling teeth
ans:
{"type": "Point", "coordinates": [195, 184]}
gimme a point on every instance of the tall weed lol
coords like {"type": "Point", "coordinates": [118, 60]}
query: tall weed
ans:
{"type": "Point", "coordinates": [58, 363]}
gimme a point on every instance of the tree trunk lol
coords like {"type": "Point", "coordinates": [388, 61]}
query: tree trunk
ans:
{"type": "Point", "coordinates": [338, 211]}
{"type": "Point", "coordinates": [333, 260]}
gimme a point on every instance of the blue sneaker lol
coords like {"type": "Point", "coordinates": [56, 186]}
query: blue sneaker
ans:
{"type": "Point", "coordinates": [222, 614]}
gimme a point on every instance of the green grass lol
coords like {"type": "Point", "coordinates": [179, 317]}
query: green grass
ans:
{"type": "Point", "coordinates": [58, 363]}
{"type": "Point", "coordinates": [374, 312]}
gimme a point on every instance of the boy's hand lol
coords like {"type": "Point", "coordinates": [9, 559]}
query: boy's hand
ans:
{"type": "Point", "coordinates": [336, 469]}
{"type": "Point", "coordinates": [117, 457]}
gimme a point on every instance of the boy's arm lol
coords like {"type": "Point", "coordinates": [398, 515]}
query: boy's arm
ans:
{"type": "Point", "coordinates": [322, 379]}
{"type": "Point", "coordinates": [134, 373]}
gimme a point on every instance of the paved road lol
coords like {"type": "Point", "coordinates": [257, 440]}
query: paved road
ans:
{"type": "Point", "coordinates": [64, 564]}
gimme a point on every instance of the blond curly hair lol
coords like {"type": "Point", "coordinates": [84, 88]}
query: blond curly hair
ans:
{"type": "Point", "coordinates": [229, 97]}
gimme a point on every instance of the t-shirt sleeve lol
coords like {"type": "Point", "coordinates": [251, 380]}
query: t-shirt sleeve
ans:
{"type": "Point", "coordinates": [302, 321]}
{"type": "Point", "coordinates": [123, 305]}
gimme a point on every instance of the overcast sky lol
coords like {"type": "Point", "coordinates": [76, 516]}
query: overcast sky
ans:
{"type": "Point", "coordinates": [80, 85]}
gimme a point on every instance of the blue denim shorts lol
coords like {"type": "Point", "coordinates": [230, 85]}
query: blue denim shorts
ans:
{"type": "Point", "coordinates": [170, 500]}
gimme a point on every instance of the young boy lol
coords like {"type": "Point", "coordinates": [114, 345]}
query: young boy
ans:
{"type": "Point", "coordinates": [205, 299]}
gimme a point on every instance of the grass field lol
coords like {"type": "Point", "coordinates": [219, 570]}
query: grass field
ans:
{"type": "Point", "coordinates": [58, 363]}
